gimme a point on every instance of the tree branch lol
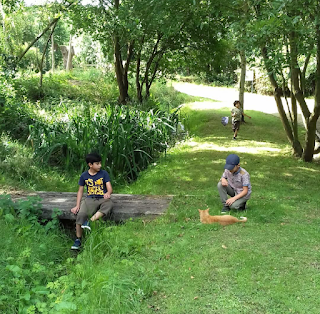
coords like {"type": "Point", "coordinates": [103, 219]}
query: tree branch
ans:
{"type": "Point", "coordinates": [44, 52]}
{"type": "Point", "coordinates": [55, 20]}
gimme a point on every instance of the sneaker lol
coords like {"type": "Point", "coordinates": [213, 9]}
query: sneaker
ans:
{"type": "Point", "coordinates": [234, 138]}
{"type": "Point", "coordinates": [76, 245]}
{"type": "Point", "coordinates": [225, 209]}
{"type": "Point", "coordinates": [86, 225]}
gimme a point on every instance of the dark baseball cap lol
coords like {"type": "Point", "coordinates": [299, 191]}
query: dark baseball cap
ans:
{"type": "Point", "coordinates": [231, 161]}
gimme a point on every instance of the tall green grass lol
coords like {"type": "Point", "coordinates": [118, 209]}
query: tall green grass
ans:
{"type": "Point", "coordinates": [92, 85]}
{"type": "Point", "coordinates": [74, 113]}
{"type": "Point", "coordinates": [30, 259]}
{"type": "Point", "coordinates": [127, 139]}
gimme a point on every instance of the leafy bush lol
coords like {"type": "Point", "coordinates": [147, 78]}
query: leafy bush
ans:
{"type": "Point", "coordinates": [61, 116]}
{"type": "Point", "coordinates": [263, 86]}
{"type": "Point", "coordinates": [31, 258]}
{"type": "Point", "coordinates": [89, 85]}
{"type": "Point", "coordinates": [20, 170]}
{"type": "Point", "coordinates": [15, 115]}
{"type": "Point", "coordinates": [53, 86]}
{"type": "Point", "coordinates": [27, 209]}
{"type": "Point", "coordinates": [164, 97]}
{"type": "Point", "coordinates": [16, 160]}
{"type": "Point", "coordinates": [127, 139]}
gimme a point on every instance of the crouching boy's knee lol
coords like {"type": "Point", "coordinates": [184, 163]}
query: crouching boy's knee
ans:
{"type": "Point", "coordinates": [219, 185]}
{"type": "Point", "coordinates": [239, 206]}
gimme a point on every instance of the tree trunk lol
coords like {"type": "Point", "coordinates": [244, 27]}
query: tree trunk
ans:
{"type": "Point", "coordinates": [294, 115]}
{"type": "Point", "coordinates": [156, 66]}
{"type": "Point", "coordinates": [303, 74]}
{"type": "Point", "coordinates": [126, 66]}
{"type": "Point", "coordinates": [311, 130]}
{"type": "Point", "coordinates": [123, 93]}
{"type": "Point", "coordinates": [243, 64]}
{"type": "Point", "coordinates": [148, 82]}
{"type": "Point", "coordinates": [122, 86]}
{"type": "Point", "coordinates": [52, 53]}
{"type": "Point", "coordinates": [138, 67]}
{"type": "Point", "coordinates": [55, 20]}
{"type": "Point", "coordinates": [69, 60]}
{"type": "Point", "coordinates": [297, 148]}
{"type": "Point", "coordinates": [295, 70]}
{"type": "Point", "coordinates": [148, 65]}
{"type": "Point", "coordinates": [296, 144]}
{"type": "Point", "coordinates": [138, 85]}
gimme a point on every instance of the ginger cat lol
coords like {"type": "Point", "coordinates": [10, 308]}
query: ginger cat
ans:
{"type": "Point", "coordinates": [223, 220]}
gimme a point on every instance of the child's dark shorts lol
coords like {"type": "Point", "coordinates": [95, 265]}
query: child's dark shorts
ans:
{"type": "Point", "coordinates": [90, 205]}
{"type": "Point", "coordinates": [235, 125]}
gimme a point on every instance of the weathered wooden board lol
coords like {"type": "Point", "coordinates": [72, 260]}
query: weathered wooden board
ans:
{"type": "Point", "coordinates": [125, 205]}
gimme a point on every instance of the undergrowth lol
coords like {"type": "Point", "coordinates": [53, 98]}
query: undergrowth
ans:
{"type": "Point", "coordinates": [32, 256]}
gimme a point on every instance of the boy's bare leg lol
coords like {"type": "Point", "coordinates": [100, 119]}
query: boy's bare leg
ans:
{"type": "Point", "coordinates": [96, 216]}
{"type": "Point", "coordinates": [235, 133]}
{"type": "Point", "coordinates": [79, 231]}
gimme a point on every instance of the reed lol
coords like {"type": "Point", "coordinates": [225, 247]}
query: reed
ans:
{"type": "Point", "coordinates": [127, 139]}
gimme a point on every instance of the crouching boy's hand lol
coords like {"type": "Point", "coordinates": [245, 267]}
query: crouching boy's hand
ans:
{"type": "Point", "coordinates": [75, 210]}
{"type": "Point", "coordinates": [224, 182]}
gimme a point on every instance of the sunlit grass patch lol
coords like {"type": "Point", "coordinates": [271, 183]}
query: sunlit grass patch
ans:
{"type": "Point", "coordinates": [250, 148]}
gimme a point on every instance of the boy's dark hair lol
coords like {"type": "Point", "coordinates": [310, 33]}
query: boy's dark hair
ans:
{"type": "Point", "coordinates": [93, 157]}
{"type": "Point", "coordinates": [236, 101]}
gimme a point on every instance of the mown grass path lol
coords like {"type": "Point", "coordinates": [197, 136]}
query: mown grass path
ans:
{"type": "Point", "coordinates": [269, 266]}
{"type": "Point", "coordinates": [225, 97]}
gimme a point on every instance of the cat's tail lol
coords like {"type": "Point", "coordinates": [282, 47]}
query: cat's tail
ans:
{"type": "Point", "coordinates": [243, 219]}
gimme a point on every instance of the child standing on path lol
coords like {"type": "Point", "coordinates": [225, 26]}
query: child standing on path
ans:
{"type": "Point", "coordinates": [235, 181]}
{"type": "Point", "coordinates": [98, 202]}
{"type": "Point", "coordinates": [236, 114]}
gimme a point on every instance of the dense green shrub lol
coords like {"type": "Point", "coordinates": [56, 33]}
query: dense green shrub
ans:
{"type": "Point", "coordinates": [95, 86]}
{"type": "Point", "coordinates": [164, 97]}
{"type": "Point", "coordinates": [31, 257]}
{"type": "Point", "coordinates": [91, 85]}
{"type": "Point", "coordinates": [15, 113]}
{"type": "Point", "coordinates": [71, 119]}
{"type": "Point", "coordinates": [127, 139]}
{"type": "Point", "coordinates": [27, 209]}
{"type": "Point", "coordinates": [262, 85]}
{"type": "Point", "coordinates": [15, 118]}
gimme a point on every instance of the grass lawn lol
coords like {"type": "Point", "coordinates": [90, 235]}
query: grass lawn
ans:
{"type": "Point", "coordinates": [174, 264]}
{"type": "Point", "coordinates": [271, 265]}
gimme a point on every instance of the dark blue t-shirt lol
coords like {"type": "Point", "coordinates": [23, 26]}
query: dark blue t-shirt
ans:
{"type": "Point", "coordinates": [96, 185]}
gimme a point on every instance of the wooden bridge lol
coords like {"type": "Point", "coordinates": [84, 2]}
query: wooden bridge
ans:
{"type": "Point", "coordinates": [125, 205]}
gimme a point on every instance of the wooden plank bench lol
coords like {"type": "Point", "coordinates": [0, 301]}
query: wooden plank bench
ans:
{"type": "Point", "coordinates": [125, 205]}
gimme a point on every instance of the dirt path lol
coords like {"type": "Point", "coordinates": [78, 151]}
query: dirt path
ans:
{"type": "Point", "coordinates": [224, 98]}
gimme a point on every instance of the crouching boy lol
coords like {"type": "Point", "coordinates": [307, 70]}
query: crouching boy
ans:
{"type": "Point", "coordinates": [98, 202]}
{"type": "Point", "coordinates": [235, 182]}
